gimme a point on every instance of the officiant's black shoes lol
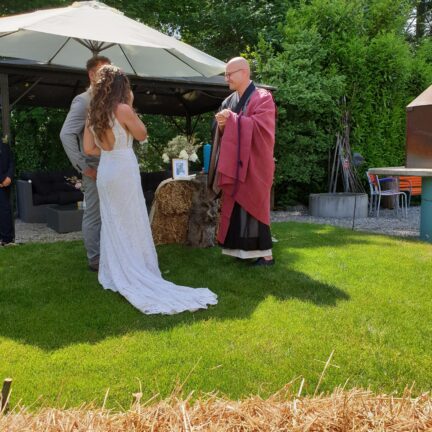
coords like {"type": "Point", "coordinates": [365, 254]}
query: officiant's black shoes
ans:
{"type": "Point", "coordinates": [263, 262]}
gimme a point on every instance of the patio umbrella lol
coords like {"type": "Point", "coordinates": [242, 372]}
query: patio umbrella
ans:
{"type": "Point", "coordinates": [69, 36]}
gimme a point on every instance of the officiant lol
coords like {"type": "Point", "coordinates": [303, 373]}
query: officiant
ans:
{"type": "Point", "coordinates": [242, 166]}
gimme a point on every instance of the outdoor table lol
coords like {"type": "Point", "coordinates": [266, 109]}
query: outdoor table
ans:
{"type": "Point", "coordinates": [426, 195]}
{"type": "Point", "coordinates": [64, 218]}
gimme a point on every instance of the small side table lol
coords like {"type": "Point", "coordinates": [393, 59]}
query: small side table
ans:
{"type": "Point", "coordinates": [64, 218]}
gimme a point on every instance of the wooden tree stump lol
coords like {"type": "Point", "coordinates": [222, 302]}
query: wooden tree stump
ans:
{"type": "Point", "coordinates": [203, 216]}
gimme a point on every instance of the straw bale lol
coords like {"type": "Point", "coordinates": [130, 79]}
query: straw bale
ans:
{"type": "Point", "coordinates": [353, 410]}
{"type": "Point", "coordinates": [171, 207]}
{"type": "Point", "coordinates": [175, 197]}
{"type": "Point", "coordinates": [172, 229]}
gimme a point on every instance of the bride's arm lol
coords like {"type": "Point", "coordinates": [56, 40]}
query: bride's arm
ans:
{"type": "Point", "coordinates": [129, 119]}
{"type": "Point", "coordinates": [90, 147]}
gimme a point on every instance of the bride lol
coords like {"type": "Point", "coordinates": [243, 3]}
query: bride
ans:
{"type": "Point", "coordinates": [128, 260]}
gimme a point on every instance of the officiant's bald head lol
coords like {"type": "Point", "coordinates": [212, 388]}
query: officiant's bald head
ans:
{"type": "Point", "coordinates": [237, 74]}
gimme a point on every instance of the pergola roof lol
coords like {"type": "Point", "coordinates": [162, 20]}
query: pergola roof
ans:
{"type": "Point", "coordinates": [35, 84]}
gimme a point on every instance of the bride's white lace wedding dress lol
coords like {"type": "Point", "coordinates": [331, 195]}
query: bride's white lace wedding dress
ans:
{"type": "Point", "coordinates": [128, 260]}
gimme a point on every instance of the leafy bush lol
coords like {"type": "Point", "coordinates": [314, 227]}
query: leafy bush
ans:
{"type": "Point", "coordinates": [307, 99]}
{"type": "Point", "coordinates": [36, 141]}
{"type": "Point", "coordinates": [162, 129]}
{"type": "Point", "coordinates": [37, 145]}
{"type": "Point", "coordinates": [335, 56]}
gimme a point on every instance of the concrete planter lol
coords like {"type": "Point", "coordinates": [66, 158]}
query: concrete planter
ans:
{"type": "Point", "coordinates": [338, 205]}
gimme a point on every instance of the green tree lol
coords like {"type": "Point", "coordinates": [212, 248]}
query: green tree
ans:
{"type": "Point", "coordinates": [12, 7]}
{"type": "Point", "coordinates": [353, 51]}
{"type": "Point", "coordinates": [307, 99]}
{"type": "Point", "coordinates": [37, 144]}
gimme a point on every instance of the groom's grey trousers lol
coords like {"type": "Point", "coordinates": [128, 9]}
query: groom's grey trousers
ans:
{"type": "Point", "coordinates": [71, 136]}
{"type": "Point", "coordinates": [91, 223]}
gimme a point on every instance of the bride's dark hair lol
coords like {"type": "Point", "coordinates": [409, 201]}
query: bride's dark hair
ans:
{"type": "Point", "coordinates": [112, 87]}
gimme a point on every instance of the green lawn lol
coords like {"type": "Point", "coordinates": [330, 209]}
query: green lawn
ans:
{"type": "Point", "coordinates": [366, 297]}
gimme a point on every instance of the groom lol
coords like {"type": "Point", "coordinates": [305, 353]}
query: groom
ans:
{"type": "Point", "coordinates": [71, 137]}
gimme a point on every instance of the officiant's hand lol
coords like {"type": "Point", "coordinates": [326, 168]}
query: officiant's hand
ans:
{"type": "Point", "coordinates": [90, 172]}
{"type": "Point", "coordinates": [221, 118]}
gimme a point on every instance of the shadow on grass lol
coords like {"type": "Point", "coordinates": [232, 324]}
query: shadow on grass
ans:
{"type": "Point", "coordinates": [49, 299]}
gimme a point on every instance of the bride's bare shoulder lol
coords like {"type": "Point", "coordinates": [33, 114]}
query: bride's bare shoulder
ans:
{"type": "Point", "coordinates": [124, 111]}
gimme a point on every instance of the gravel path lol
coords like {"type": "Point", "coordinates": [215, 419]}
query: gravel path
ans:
{"type": "Point", "coordinates": [387, 224]}
{"type": "Point", "coordinates": [40, 233]}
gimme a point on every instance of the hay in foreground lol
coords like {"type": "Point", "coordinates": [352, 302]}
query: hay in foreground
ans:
{"type": "Point", "coordinates": [354, 410]}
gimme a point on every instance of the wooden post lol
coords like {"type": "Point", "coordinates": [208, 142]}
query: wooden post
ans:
{"type": "Point", "coordinates": [188, 125]}
{"type": "Point", "coordinates": [4, 94]}
{"type": "Point", "coordinates": [5, 394]}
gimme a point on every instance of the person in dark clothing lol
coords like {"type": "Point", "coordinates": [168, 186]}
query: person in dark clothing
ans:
{"type": "Point", "coordinates": [242, 166]}
{"type": "Point", "coordinates": [7, 169]}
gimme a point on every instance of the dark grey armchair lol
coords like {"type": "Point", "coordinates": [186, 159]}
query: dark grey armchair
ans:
{"type": "Point", "coordinates": [36, 192]}
{"type": "Point", "coordinates": [27, 211]}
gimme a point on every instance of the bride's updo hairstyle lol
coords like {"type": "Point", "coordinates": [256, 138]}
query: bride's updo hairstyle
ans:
{"type": "Point", "coordinates": [112, 88]}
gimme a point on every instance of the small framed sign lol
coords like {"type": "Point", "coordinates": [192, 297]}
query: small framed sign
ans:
{"type": "Point", "coordinates": [180, 168]}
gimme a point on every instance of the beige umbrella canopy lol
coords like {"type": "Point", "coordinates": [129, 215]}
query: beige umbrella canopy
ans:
{"type": "Point", "coordinates": [69, 36]}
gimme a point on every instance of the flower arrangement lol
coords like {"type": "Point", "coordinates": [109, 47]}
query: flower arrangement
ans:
{"type": "Point", "coordinates": [76, 182]}
{"type": "Point", "coordinates": [181, 147]}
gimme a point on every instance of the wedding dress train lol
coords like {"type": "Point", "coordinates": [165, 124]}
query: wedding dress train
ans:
{"type": "Point", "coordinates": [128, 259]}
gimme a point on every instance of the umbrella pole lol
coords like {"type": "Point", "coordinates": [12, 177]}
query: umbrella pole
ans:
{"type": "Point", "coordinates": [189, 125]}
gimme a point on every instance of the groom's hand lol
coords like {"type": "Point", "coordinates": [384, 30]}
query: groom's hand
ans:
{"type": "Point", "coordinates": [90, 172]}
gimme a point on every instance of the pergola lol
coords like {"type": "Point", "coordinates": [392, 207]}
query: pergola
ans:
{"type": "Point", "coordinates": [29, 83]}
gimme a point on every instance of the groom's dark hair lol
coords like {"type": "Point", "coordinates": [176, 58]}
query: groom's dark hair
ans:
{"type": "Point", "coordinates": [94, 61]}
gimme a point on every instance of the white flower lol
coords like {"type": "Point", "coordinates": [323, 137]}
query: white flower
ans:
{"type": "Point", "coordinates": [165, 158]}
{"type": "Point", "coordinates": [193, 157]}
{"type": "Point", "coordinates": [182, 147]}
{"type": "Point", "coordinates": [183, 155]}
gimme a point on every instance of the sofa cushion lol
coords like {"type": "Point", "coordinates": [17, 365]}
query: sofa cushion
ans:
{"type": "Point", "coordinates": [52, 187]}
{"type": "Point", "coordinates": [52, 176]}
{"type": "Point", "coordinates": [70, 197]}
{"type": "Point", "coordinates": [150, 181]}
{"type": "Point", "coordinates": [41, 186]}
{"type": "Point", "coordinates": [39, 199]}
{"type": "Point", "coordinates": [63, 186]}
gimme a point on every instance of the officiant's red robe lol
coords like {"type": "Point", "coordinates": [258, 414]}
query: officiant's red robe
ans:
{"type": "Point", "coordinates": [246, 176]}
